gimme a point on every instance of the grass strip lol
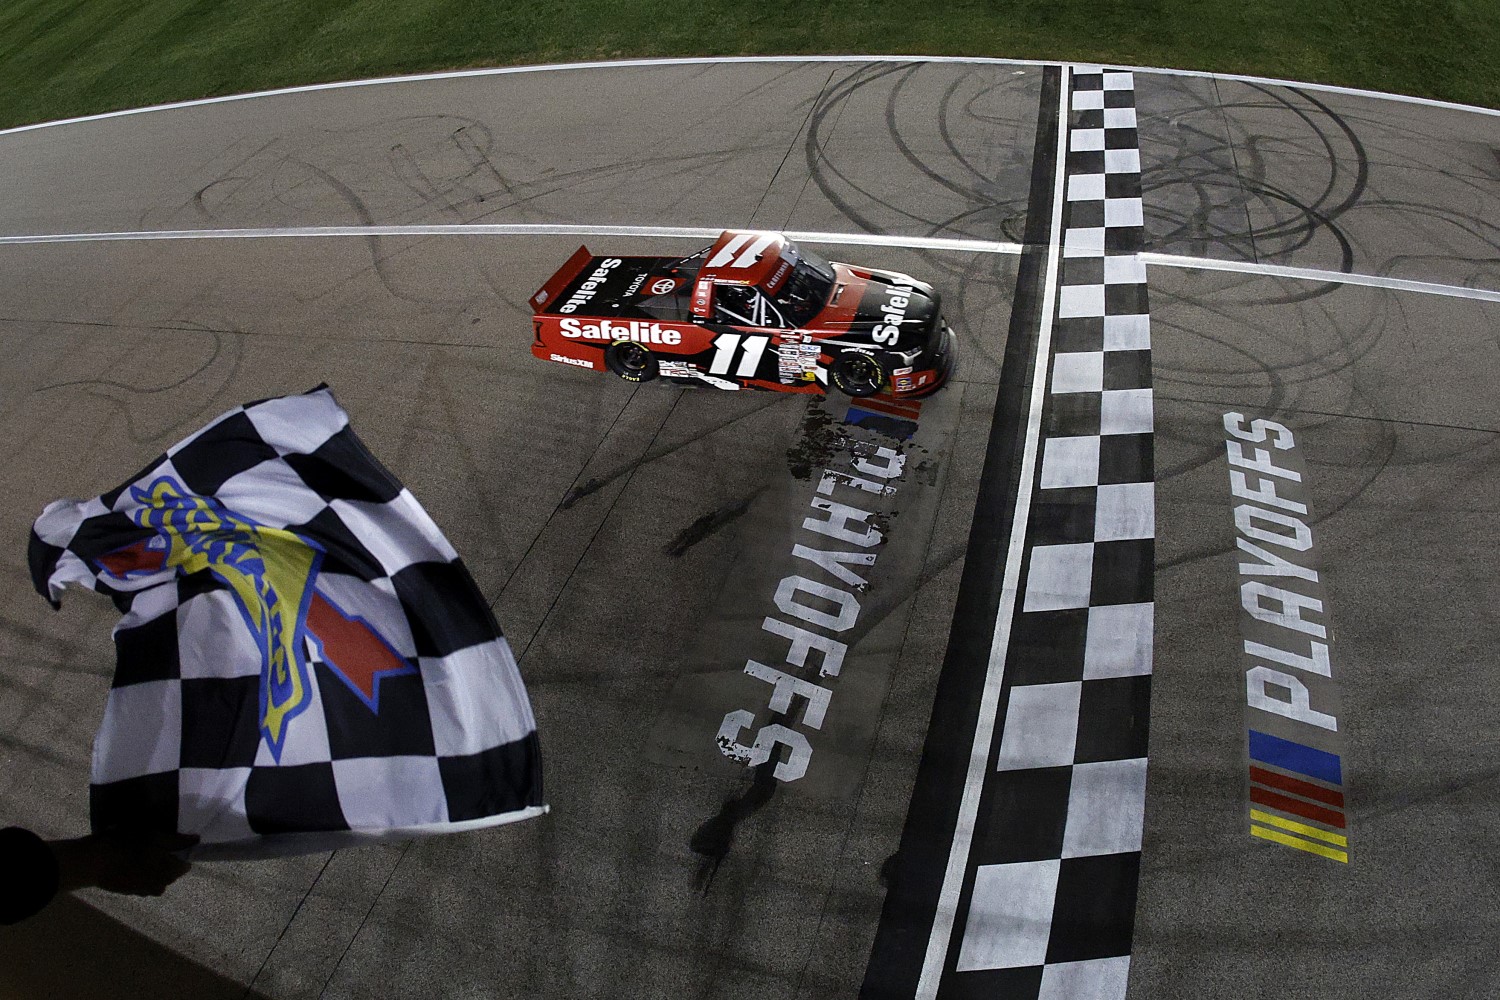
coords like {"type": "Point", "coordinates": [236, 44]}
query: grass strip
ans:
{"type": "Point", "coordinates": [60, 58]}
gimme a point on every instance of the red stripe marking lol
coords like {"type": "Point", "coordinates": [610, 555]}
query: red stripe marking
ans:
{"type": "Point", "coordinates": [1305, 789]}
{"type": "Point", "coordinates": [912, 406]}
{"type": "Point", "coordinates": [1297, 807]}
{"type": "Point", "coordinates": [137, 555]}
{"type": "Point", "coordinates": [760, 383]}
{"type": "Point", "coordinates": [350, 647]}
{"type": "Point", "coordinates": [910, 411]}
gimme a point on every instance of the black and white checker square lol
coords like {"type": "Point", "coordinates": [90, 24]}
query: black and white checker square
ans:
{"type": "Point", "coordinates": [1094, 460]}
{"type": "Point", "coordinates": [1049, 913]}
{"type": "Point", "coordinates": [1106, 332]}
{"type": "Point", "coordinates": [1103, 372]}
{"type": "Point", "coordinates": [1107, 571]}
{"type": "Point", "coordinates": [1112, 411]}
{"type": "Point", "coordinates": [419, 725]}
{"type": "Point", "coordinates": [1077, 644]}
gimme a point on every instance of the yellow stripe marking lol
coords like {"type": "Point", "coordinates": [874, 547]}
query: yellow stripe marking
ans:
{"type": "Point", "coordinates": [1265, 833]}
{"type": "Point", "coordinates": [1302, 828]}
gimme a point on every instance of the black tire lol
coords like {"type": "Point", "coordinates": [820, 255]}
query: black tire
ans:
{"type": "Point", "coordinates": [631, 361]}
{"type": "Point", "coordinates": [857, 373]}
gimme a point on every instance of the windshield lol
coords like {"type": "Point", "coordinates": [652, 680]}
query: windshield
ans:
{"type": "Point", "coordinates": [808, 288]}
{"type": "Point", "coordinates": [688, 267]}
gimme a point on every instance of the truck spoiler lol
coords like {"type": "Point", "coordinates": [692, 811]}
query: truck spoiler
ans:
{"type": "Point", "coordinates": [549, 292]}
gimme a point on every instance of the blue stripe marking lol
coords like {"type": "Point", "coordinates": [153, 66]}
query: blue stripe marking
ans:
{"type": "Point", "coordinates": [897, 427]}
{"type": "Point", "coordinates": [1291, 756]}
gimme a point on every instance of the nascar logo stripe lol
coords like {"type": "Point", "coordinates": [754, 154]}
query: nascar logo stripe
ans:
{"type": "Point", "coordinates": [1291, 756]}
{"type": "Point", "coordinates": [1306, 789]}
{"type": "Point", "coordinates": [1286, 839]}
{"type": "Point", "coordinates": [1305, 812]}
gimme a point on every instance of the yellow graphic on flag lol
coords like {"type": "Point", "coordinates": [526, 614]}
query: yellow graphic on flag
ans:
{"type": "Point", "coordinates": [270, 572]}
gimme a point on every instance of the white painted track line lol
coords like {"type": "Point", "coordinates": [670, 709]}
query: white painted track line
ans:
{"type": "Point", "coordinates": [511, 229]}
{"type": "Point", "coordinates": [984, 733]}
{"type": "Point", "coordinates": [732, 60]}
{"type": "Point", "coordinates": [1311, 274]}
{"type": "Point", "coordinates": [940, 243]}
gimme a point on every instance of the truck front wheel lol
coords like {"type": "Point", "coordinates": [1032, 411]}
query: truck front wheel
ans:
{"type": "Point", "coordinates": [857, 373]}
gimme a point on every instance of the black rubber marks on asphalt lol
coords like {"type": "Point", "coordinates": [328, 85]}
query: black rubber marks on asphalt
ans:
{"type": "Point", "coordinates": [1019, 880]}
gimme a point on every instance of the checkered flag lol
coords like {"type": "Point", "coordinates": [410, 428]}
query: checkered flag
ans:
{"type": "Point", "coordinates": [303, 662]}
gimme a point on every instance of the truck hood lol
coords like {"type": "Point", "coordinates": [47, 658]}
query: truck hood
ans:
{"type": "Point", "coordinates": [892, 298]}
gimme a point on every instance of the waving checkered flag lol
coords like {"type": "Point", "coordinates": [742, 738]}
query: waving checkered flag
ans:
{"type": "Point", "coordinates": [303, 662]}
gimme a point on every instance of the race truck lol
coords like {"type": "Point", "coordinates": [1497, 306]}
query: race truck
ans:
{"type": "Point", "coordinates": [754, 310]}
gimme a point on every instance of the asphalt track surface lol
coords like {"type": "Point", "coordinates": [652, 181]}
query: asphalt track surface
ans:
{"type": "Point", "coordinates": [631, 537]}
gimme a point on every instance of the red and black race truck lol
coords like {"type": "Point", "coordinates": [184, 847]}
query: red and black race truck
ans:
{"type": "Point", "coordinates": [752, 311]}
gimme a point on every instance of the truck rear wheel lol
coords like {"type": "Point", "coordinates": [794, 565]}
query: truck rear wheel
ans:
{"type": "Point", "coordinates": [631, 361]}
{"type": "Point", "coordinates": [857, 373]}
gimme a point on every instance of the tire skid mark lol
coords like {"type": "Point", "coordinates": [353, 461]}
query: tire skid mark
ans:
{"type": "Point", "coordinates": [1221, 180]}
{"type": "Point", "coordinates": [707, 525]}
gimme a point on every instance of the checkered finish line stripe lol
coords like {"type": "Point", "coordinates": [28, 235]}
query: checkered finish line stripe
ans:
{"type": "Point", "coordinates": [1048, 903]}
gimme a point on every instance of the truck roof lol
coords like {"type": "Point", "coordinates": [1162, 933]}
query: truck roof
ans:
{"type": "Point", "coordinates": [750, 258]}
{"type": "Point", "coordinates": [616, 286]}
